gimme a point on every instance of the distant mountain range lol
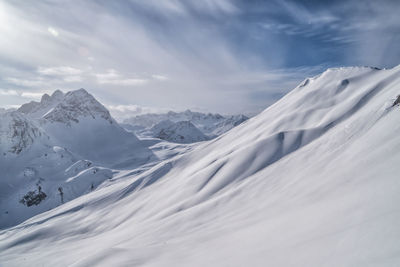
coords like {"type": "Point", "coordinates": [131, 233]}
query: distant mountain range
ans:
{"type": "Point", "coordinates": [182, 127]}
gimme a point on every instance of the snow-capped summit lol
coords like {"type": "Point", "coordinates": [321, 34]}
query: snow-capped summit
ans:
{"type": "Point", "coordinates": [183, 132]}
{"type": "Point", "coordinates": [57, 95]}
{"type": "Point", "coordinates": [66, 108]}
{"type": "Point", "coordinates": [55, 98]}
{"type": "Point", "coordinates": [76, 104]}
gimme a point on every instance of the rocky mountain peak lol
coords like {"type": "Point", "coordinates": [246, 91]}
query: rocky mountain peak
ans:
{"type": "Point", "coordinates": [57, 94]}
{"type": "Point", "coordinates": [76, 104]}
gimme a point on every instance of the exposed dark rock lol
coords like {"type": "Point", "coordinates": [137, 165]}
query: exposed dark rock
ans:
{"type": "Point", "coordinates": [33, 197]}
{"type": "Point", "coordinates": [397, 101]}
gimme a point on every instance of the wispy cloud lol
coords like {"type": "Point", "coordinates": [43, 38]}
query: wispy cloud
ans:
{"type": "Point", "coordinates": [64, 73]}
{"type": "Point", "coordinates": [36, 82]}
{"type": "Point", "coordinates": [23, 94]}
{"type": "Point", "coordinates": [8, 92]}
{"type": "Point", "coordinates": [61, 70]}
{"type": "Point", "coordinates": [115, 78]}
{"type": "Point", "coordinates": [32, 95]}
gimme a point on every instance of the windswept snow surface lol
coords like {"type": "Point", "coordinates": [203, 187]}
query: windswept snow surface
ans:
{"type": "Point", "coordinates": [311, 181]}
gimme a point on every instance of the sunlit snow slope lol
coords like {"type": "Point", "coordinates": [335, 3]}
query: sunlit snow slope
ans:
{"type": "Point", "coordinates": [312, 181]}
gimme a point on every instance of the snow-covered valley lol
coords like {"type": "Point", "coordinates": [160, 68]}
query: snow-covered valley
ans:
{"type": "Point", "coordinates": [313, 180]}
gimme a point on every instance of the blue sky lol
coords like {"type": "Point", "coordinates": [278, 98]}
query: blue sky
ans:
{"type": "Point", "coordinates": [226, 56]}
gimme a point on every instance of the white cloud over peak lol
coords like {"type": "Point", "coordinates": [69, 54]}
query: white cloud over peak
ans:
{"type": "Point", "coordinates": [61, 70]}
{"type": "Point", "coordinates": [32, 95]}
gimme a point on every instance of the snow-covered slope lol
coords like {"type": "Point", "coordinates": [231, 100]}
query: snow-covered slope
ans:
{"type": "Point", "coordinates": [209, 124]}
{"type": "Point", "coordinates": [311, 181]}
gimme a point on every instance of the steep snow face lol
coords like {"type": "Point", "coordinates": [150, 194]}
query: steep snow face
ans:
{"type": "Point", "coordinates": [311, 181]}
{"type": "Point", "coordinates": [183, 132]}
{"type": "Point", "coordinates": [209, 124]}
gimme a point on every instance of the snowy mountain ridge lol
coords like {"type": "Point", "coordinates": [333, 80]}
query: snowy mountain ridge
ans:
{"type": "Point", "coordinates": [38, 109]}
{"type": "Point", "coordinates": [66, 108]}
{"type": "Point", "coordinates": [210, 125]}
{"type": "Point", "coordinates": [149, 120]}
{"type": "Point", "coordinates": [77, 104]}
